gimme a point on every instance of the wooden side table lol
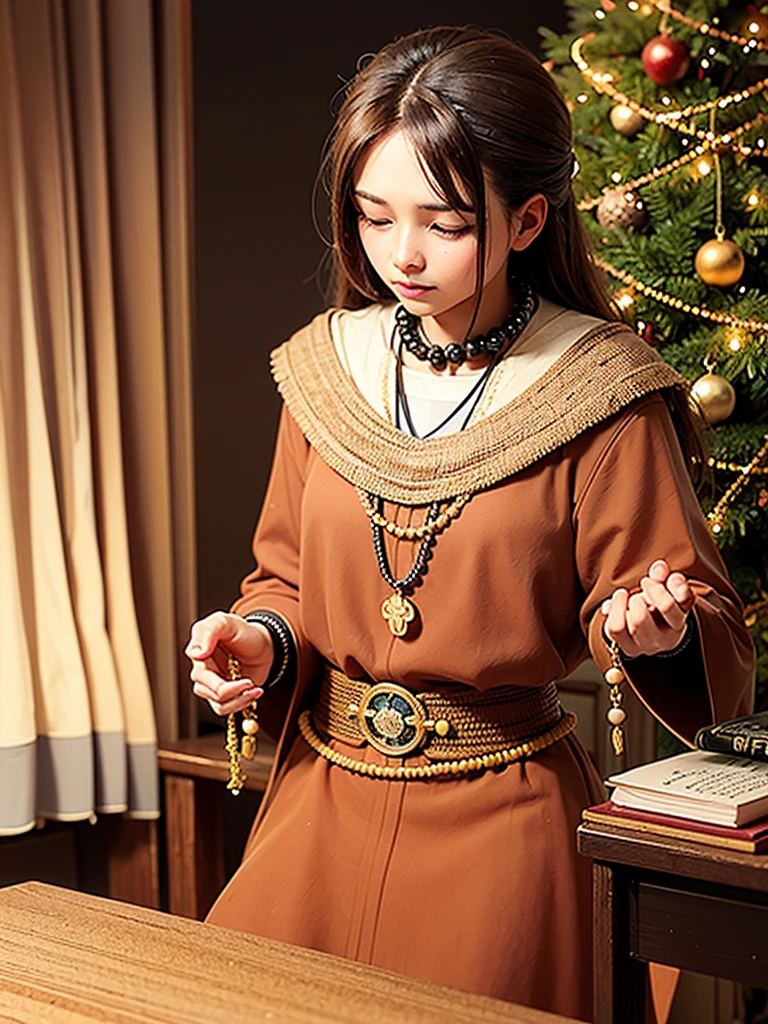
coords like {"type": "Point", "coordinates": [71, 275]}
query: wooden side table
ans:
{"type": "Point", "coordinates": [195, 773]}
{"type": "Point", "coordinates": [700, 908]}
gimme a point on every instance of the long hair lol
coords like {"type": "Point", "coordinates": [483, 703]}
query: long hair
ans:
{"type": "Point", "coordinates": [473, 104]}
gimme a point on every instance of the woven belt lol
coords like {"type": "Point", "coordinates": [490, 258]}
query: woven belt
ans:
{"type": "Point", "coordinates": [469, 730]}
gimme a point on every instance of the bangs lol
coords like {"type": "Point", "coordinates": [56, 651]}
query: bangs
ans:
{"type": "Point", "coordinates": [444, 151]}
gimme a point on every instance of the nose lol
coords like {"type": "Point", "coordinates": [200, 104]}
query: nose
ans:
{"type": "Point", "coordinates": [408, 256]}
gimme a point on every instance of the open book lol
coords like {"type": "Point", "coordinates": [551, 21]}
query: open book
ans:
{"type": "Point", "coordinates": [716, 788]}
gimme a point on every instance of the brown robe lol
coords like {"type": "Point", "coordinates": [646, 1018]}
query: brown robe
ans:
{"type": "Point", "coordinates": [580, 484]}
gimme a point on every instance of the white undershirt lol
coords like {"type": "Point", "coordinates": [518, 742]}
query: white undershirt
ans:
{"type": "Point", "coordinates": [431, 398]}
{"type": "Point", "coordinates": [364, 342]}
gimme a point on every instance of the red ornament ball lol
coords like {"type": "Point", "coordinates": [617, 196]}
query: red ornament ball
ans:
{"type": "Point", "coordinates": [666, 60]}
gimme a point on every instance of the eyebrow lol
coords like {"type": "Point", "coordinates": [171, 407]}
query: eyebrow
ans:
{"type": "Point", "coordinates": [436, 207]}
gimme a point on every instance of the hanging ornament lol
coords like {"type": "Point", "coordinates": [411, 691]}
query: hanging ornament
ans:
{"type": "Point", "coordinates": [720, 262]}
{"type": "Point", "coordinates": [714, 394]}
{"type": "Point", "coordinates": [623, 209]}
{"type": "Point", "coordinates": [626, 120]}
{"type": "Point", "coordinates": [665, 59]}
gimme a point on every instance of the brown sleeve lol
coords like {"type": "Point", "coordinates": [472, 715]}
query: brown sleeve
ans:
{"type": "Point", "coordinates": [274, 583]}
{"type": "Point", "coordinates": [634, 503]}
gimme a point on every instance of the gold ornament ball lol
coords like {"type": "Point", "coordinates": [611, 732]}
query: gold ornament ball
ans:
{"type": "Point", "coordinates": [626, 120]}
{"type": "Point", "coordinates": [716, 397]}
{"type": "Point", "coordinates": [720, 262]}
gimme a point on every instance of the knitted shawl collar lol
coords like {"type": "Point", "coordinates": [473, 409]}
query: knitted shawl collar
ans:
{"type": "Point", "coordinates": [606, 369]}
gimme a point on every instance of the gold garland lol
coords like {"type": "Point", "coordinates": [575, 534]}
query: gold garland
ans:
{"type": "Point", "coordinates": [716, 517]}
{"type": "Point", "coordinates": [672, 119]}
{"type": "Point", "coordinates": [735, 467]}
{"type": "Point", "coordinates": [658, 172]}
{"type": "Point", "coordinates": [753, 611]}
{"type": "Point", "coordinates": [707, 30]}
{"type": "Point", "coordinates": [665, 299]}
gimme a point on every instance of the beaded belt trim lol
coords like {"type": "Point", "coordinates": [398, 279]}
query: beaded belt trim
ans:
{"type": "Point", "coordinates": [463, 732]}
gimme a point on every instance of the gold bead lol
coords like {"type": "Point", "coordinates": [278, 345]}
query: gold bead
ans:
{"type": "Point", "coordinates": [442, 728]}
{"type": "Point", "coordinates": [614, 676]}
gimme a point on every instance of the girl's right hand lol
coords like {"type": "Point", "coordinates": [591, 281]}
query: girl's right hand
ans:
{"type": "Point", "coordinates": [211, 640]}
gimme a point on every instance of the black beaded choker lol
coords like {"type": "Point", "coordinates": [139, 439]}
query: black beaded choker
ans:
{"type": "Point", "coordinates": [491, 343]}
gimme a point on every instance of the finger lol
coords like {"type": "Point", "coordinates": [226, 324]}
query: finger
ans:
{"type": "Point", "coordinates": [641, 624]}
{"type": "Point", "coordinates": [680, 588]}
{"type": "Point", "coordinates": [668, 610]}
{"type": "Point", "coordinates": [659, 570]}
{"type": "Point", "coordinates": [223, 690]}
{"type": "Point", "coordinates": [230, 706]}
{"type": "Point", "coordinates": [651, 634]}
{"type": "Point", "coordinates": [616, 623]}
{"type": "Point", "coordinates": [206, 634]}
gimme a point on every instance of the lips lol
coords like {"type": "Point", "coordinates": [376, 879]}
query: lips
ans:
{"type": "Point", "coordinates": [411, 291]}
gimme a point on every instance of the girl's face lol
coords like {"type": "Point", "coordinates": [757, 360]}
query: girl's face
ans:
{"type": "Point", "coordinates": [424, 250]}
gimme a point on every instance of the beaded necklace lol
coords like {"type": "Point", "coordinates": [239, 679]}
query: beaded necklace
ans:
{"type": "Point", "coordinates": [398, 610]}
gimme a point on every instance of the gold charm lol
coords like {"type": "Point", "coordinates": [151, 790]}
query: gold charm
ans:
{"type": "Point", "coordinates": [616, 714]}
{"type": "Point", "coordinates": [249, 741]}
{"type": "Point", "coordinates": [398, 612]}
{"type": "Point", "coordinates": [247, 748]}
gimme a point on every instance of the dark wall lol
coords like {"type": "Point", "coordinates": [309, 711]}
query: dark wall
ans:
{"type": "Point", "coordinates": [264, 77]}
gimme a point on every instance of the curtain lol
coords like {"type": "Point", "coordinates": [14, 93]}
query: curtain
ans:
{"type": "Point", "coordinates": [97, 571]}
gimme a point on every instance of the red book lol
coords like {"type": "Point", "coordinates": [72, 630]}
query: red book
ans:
{"type": "Point", "coordinates": [751, 838]}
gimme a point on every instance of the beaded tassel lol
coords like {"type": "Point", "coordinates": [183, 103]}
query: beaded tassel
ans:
{"type": "Point", "coordinates": [616, 714]}
{"type": "Point", "coordinates": [246, 750]}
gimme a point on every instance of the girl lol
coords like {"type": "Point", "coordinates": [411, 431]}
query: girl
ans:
{"type": "Point", "coordinates": [477, 483]}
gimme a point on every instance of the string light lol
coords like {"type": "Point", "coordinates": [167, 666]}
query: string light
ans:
{"type": "Point", "coordinates": [735, 467]}
{"type": "Point", "coordinates": [707, 30]}
{"type": "Point", "coordinates": [665, 299]}
{"type": "Point", "coordinates": [602, 81]}
{"type": "Point", "coordinates": [653, 175]}
{"type": "Point", "coordinates": [716, 517]}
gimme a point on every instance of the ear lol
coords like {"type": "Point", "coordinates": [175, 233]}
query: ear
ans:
{"type": "Point", "coordinates": [527, 222]}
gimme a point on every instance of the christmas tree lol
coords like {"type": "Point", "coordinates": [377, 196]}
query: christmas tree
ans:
{"type": "Point", "coordinates": [670, 114]}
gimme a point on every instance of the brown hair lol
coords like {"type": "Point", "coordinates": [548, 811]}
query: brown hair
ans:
{"type": "Point", "coordinates": [471, 102]}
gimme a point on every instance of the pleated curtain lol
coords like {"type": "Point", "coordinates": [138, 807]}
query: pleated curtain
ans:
{"type": "Point", "coordinates": [97, 575]}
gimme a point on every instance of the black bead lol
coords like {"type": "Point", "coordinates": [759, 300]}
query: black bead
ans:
{"type": "Point", "coordinates": [421, 350]}
{"type": "Point", "coordinates": [475, 346]}
{"type": "Point", "coordinates": [437, 357]}
{"type": "Point", "coordinates": [494, 340]}
{"type": "Point", "coordinates": [454, 354]}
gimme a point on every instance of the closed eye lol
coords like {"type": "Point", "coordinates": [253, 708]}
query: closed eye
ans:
{"type": "Point", "coordinates": [376, 222]}
{"type": "Point", "coordinates": [452, 232]}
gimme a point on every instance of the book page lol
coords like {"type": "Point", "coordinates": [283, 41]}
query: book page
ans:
{"type": "Point", "coordinates": [699, 775]}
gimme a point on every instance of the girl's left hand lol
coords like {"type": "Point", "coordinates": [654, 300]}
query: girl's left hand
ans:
{"type": "Point", "coordinates": [652, 619]}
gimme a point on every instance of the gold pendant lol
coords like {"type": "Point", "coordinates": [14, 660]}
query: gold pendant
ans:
{"type": "Point", "coordinates": [398, 612]}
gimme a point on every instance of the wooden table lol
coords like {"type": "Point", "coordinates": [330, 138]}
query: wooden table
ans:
{"type": "Point", "coordinates": [692, 906]}
{"type": "Point", "coordinates": [68, 958]}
